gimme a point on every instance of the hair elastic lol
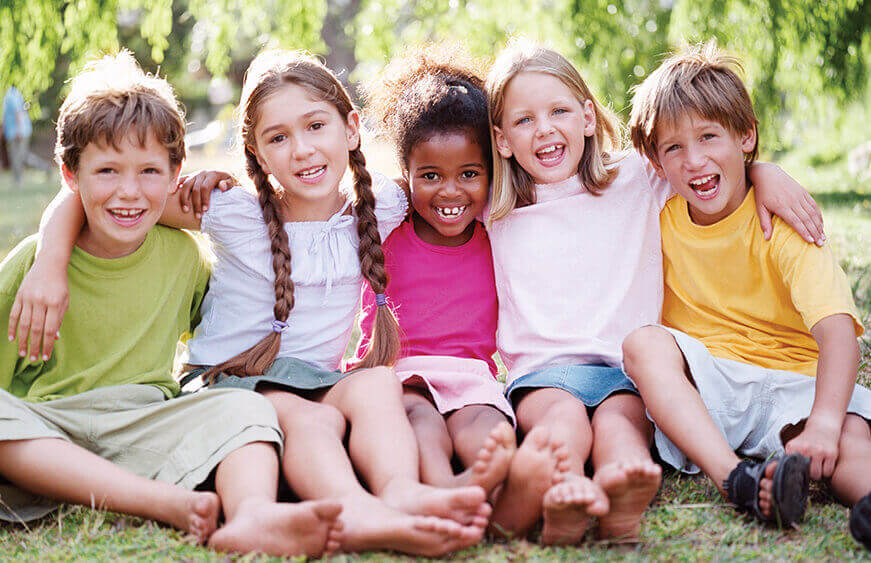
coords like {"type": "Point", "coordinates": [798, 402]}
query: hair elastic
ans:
{"type": "Point", "coordinates": [279, 326]}
{"type": "Point", "coordinates": [380, 299]}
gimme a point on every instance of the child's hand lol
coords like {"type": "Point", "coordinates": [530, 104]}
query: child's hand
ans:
{"type": "Point", "coordinates": [38, 310]}
{"type": "Point", "coordinates": [196, 189]}
{"type": "Point", "coordinates": [777, 193]}
{"type": "Point", "coordinates": [819, 443]}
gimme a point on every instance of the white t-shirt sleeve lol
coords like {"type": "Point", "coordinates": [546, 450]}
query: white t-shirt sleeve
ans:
{"type": "Point", "coordinates": [391, 204]}
{"type": "Point", "coordinates": [234, 216]}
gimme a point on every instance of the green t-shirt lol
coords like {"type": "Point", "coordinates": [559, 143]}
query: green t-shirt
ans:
{"type": "Point", "coordinates": [124, 321]}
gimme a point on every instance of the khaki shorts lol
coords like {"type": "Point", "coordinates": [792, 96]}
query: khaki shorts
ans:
{"type": "Point", "coordinates": [178, 440]}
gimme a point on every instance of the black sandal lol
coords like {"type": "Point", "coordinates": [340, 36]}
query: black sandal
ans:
{"type": "Point", "coordinates": [860, 521]}
{"type": "Point", "coordinates": [789, 489]}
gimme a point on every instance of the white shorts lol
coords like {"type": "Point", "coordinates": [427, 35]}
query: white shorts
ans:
{"type": "Point", "coordinates": [751, 405]}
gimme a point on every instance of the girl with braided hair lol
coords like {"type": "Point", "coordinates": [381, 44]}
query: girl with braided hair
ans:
{"type": "Point", "coordinates": [432, 106]}
{"type": "Point", "coordinates": [285, 287]}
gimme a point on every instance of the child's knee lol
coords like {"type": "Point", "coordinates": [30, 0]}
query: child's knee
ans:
{"type": "Point", "coordinates": [855, 435]}
{"type": "Point", "coordinates": [645, 343]}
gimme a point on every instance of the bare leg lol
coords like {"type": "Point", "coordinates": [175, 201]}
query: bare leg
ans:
{"type": "Point", "coordinates": [655, 363]}
{"type": "Point", "coordinates": [247, 482]}
{"type": "Point", "coordinates": [624, 469]}
{"type": "Point", "coordinates": [485, 442]}
{"type": "Point", "coordinates": [384, 449]}
{"type": "Point", "coordinates": [316, 465]}
{"type": "Point", "coordinates": [66, 472]}
{"type": "Point", "coordinates": [851, 479]}
{"type": "Point", "coordinates": [567, 510]}
{"type": "Point", "coordinates": [433, 439]}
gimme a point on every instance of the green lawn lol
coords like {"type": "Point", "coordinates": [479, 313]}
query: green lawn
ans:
{"type": "Point", "coordinates": [687, 521]}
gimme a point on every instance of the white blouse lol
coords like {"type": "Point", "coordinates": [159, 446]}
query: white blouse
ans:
{"type": "Point", "coordinates": [238, 309]}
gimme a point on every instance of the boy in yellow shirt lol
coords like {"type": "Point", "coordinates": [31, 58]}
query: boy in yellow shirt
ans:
{"type": "Point", "coordinates": [750, 322]}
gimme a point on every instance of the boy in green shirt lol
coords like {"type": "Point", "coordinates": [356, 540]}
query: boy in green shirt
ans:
{"type": "Point", "coordinates": [97, 423]}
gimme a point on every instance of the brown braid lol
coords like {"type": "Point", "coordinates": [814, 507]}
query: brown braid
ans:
{"type": "Point", "coordinates": [385, 345]}
{"type": "Point", "coordinates": [257, 359]}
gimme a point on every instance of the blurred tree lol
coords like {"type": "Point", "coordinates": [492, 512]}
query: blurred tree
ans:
{"type": "Point", "coordinates": [36, 34]}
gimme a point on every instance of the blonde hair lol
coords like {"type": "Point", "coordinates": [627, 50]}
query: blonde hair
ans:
{"type": "Point", "coordinates": [512, 185]}
{"type": "Point", "coordinates": [269, 72]}
{"type": "Point", "coordinates": [113, 98]}
{"type": "Point", "coordinates": [700, 79]}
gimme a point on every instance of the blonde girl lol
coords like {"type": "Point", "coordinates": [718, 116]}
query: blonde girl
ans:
{"type": "Point", "coordinates": [284, 290]}
{"type": "Point", "coordinates": [574, 228]}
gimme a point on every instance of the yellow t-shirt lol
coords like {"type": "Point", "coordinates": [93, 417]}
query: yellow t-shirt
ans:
{"type": "Point", "coordinates": [747, 299]}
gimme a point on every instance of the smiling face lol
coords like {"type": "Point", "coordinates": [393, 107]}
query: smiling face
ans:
{"type": "Point", "coordinates": [543, 126]}
{"type": "Point", "coordinates": [449, 185]}
{"type": "Point", "coordinates": [704, 162]}
{"type": "Point", "coordinates": [303, 142]}
{"type": "Point", "coordinates": [123, 192]}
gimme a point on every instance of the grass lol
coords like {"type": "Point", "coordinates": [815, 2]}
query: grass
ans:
{"type": "Point", "coordinates": [687, 521]}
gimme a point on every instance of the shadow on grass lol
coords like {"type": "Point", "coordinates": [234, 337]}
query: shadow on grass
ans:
{"type": "Point", "coordinates": [843, 199]}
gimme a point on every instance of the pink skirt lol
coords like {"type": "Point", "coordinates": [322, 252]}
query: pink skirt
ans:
{"type": "Point", "coordinates": [454, 383]}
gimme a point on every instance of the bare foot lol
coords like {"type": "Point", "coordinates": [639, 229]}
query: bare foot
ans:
{"type": "Point", "coordinates": [493, 460]}
{"type": "Point", "coordinates": [630, 487]}
{"type": "Point", "coordinates": [198, 515]}
{"type": "Point", "coordinates": [466, 505]}
{"type": "Point", "coordinates": [534, 469]}
{"type": "Point", "coordinates": [766, 484]}
{"type": "Point", "coordinates": [567, 508]}
{"type": "Point", "coordinates": [280, 529]}
{"type": "Point", "coordinates": [372, 525]}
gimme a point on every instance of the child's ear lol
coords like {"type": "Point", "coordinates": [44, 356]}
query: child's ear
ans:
{"type": "Point", "coordinates": [589, 118]}
{"type": "Point", "coordinates": [353, 130]}
{"type": "Point", "coordinates": [501, 144]}
{"type": "Point", "coordinates": [748, 141]}
{"type": "Point", "coordinates": [69, 178]}
{"type": "Point", "coordinates": [253, 150]}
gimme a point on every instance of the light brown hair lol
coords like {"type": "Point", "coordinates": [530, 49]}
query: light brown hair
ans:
{"type": "Point", "coordinates": [700, 79]}
{"type": "Point", "coordinates": [113, 98]}
{"type": "Point", "coordinates": [268, 73]}
{"type": "Point", "coordinates": [512, 185]}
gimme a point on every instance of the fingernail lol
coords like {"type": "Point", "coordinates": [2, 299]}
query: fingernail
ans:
{"type": "Point", "coordinates": [10, 337]}
{"type": "Point", "coordinates": [184, 208]}
{"type": "Point", "coordinates": [57, 334]}
{"type": "Point", "coordinates": [22, 353]}
{"type": "Point", "coordinates": [199, 215]}
{"type": "Point", "coordinates": [32, 358]}
{"type": "Point", "coordinates": [205, 208]}
{"type": "Point", "coordinates": [45, 357]}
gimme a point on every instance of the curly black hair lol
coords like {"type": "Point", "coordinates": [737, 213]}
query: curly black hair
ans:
{"type": "Point", "coordinates": [433, 89]}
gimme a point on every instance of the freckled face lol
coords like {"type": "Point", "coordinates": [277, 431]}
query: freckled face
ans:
{"type": "Point", "coordinates": [544, 126]}
{"type": "Point", "coordinates": [704, 162]}
{"type": "Point", "coordinates": [449, 187]}
{"type": "Point", "coordinates": [123, 192]}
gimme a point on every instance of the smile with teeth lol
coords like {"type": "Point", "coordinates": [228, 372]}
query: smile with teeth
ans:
{"type": "Point", "coordinates": [550, 153]}
{"type": "Point", "coordinates": [451, 212]}
{"type": "Point", "coordinates": [705, 186]}
{"type": "Point", "coordinates": [313, 172]}
{"type": "Point", "coordinates": [126, 214]}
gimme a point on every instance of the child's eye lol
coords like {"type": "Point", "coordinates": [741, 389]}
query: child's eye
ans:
{"type": "Point", "coordinates": [151, 170]}
{"type": "Point", "coordinates": [429, 176]}
{"type": "Point", "coordinates": [708, 136]}
{"type": "Point", "coordinates": [558, 111]}
{"type": "Point", "coordinates": [671, 148]}
{"type": "Point", "coordinates": [469, 174]}
{"type": "Point", "coordinates": [522, 120]}
{"type": "Point", "coordinates": [278, 138]}
{"type": "Point", "coordinates": [105, 170]}
{"type": "Point", "coordinates": [317, 125]}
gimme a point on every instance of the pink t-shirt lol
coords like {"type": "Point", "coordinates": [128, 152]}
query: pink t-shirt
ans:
{"type": "Point", "coordinates": [443, 296]}
{"type": "Point", "coordinates": [576, 273]}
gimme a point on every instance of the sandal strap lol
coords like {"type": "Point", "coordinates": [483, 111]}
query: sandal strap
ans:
{"type": "Point", "coordinates": [742, 486]}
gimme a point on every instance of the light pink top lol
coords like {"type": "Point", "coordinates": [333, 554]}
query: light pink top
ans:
{"type": "Point", "coordinates": [576, 273]}
{"type": "Point", "coordinates": [444, 297]}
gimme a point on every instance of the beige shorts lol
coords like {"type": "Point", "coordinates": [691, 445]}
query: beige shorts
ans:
{"type": "Point", "coordinates": [178, 440]}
